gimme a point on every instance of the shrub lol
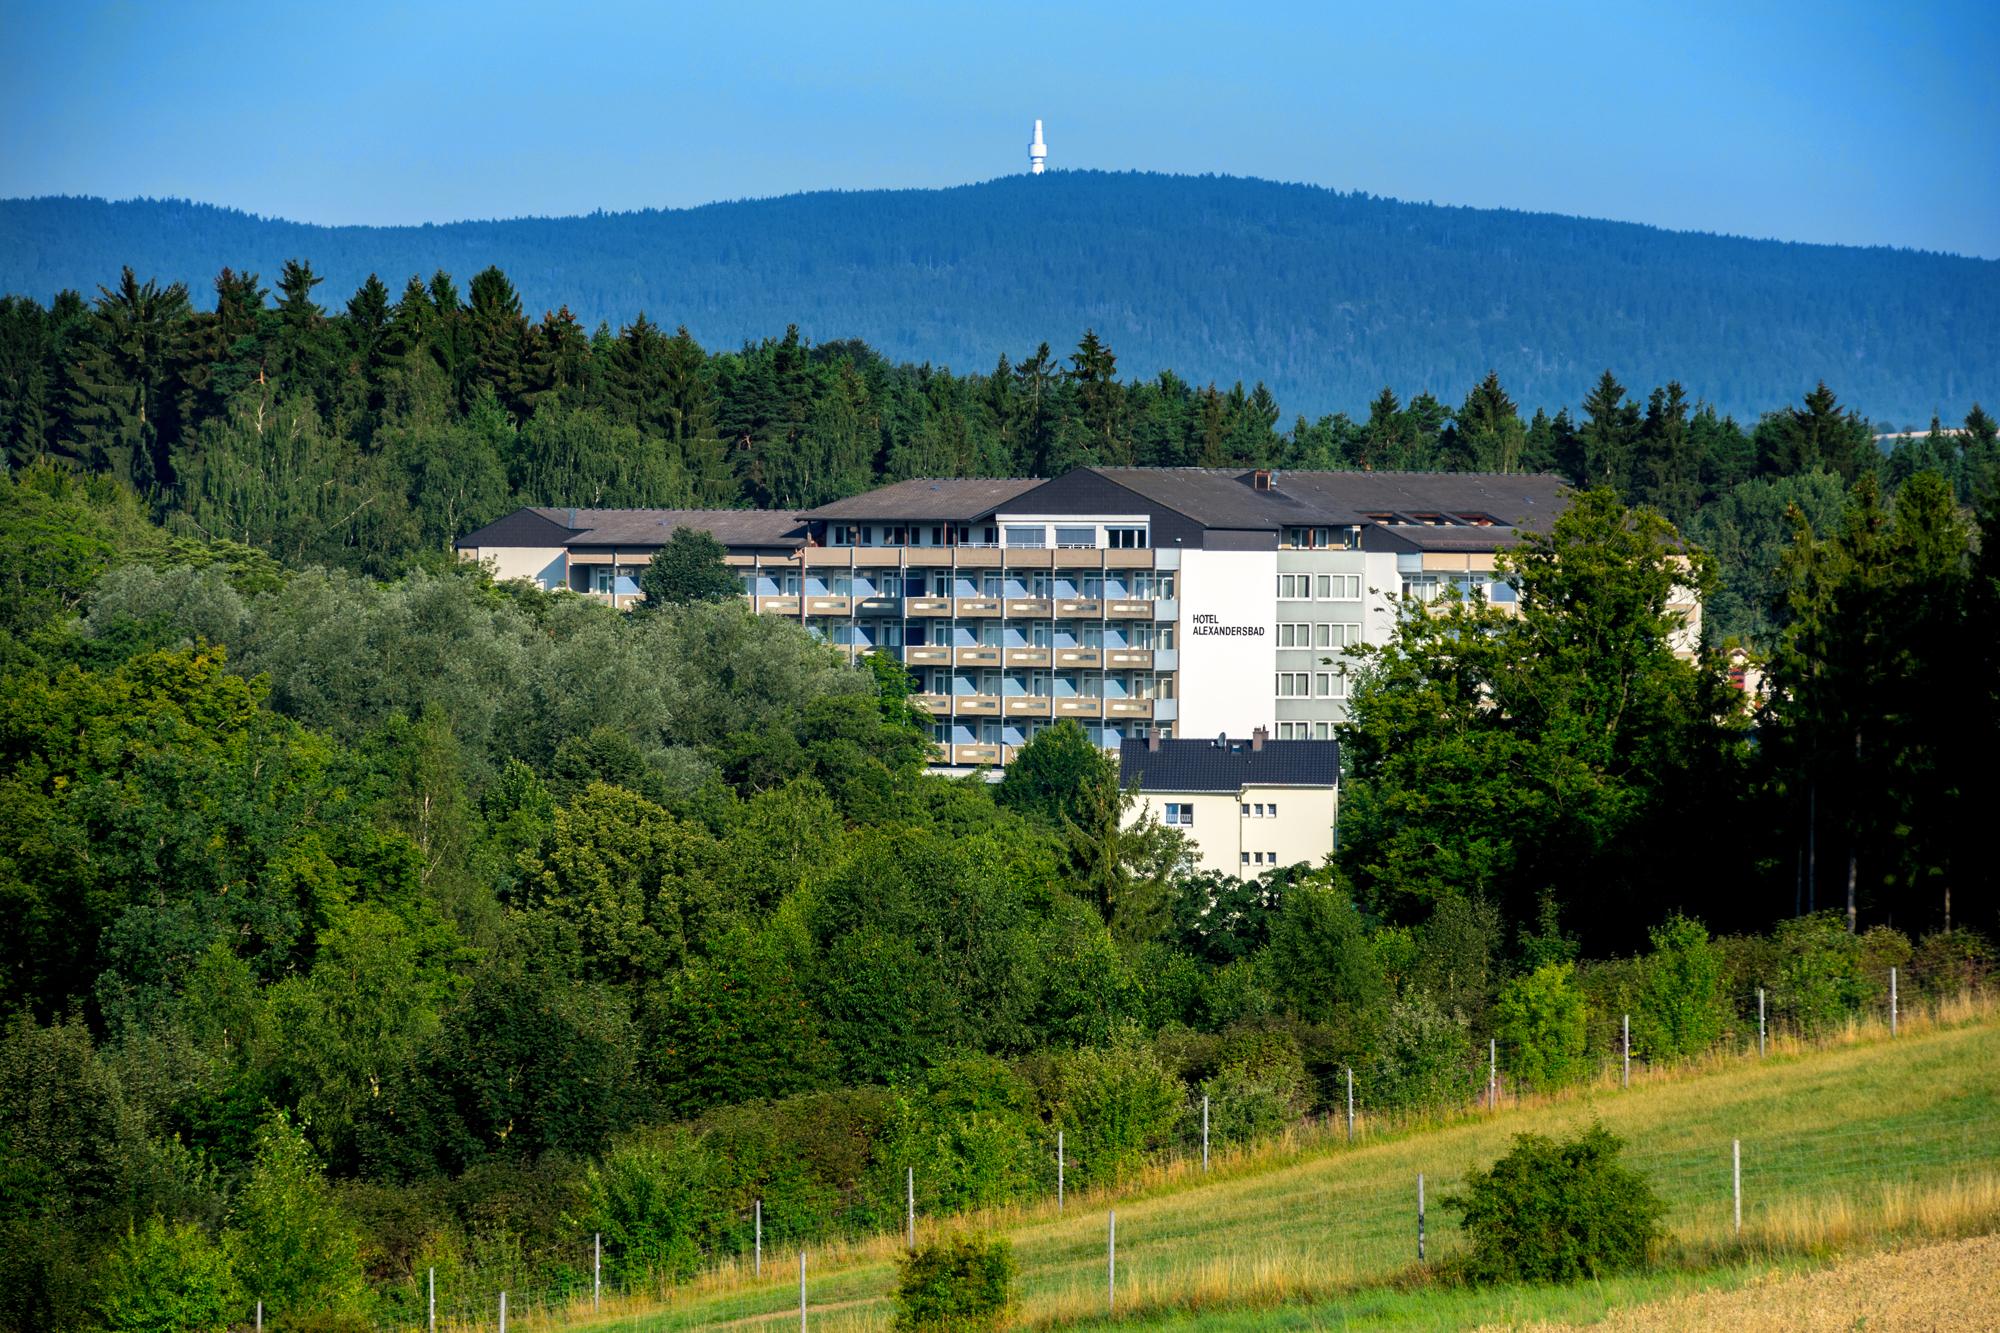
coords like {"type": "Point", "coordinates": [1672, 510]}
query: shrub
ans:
{"type": "Point", "coordinates": [1819, 982]}
{"type": "Point", "coordinates": [295, 1250]}
{"type": "Point", "coordinates": [1682, 1009]}
{"type": "Point", "coordinates": [165, 1278]}
{"type": "Point", "coordinates": [1557, 1212]}
{"type": "Point", "coordinates": [957, 1282]}
{"type": "Point", "coordinates": [967, 1130]}
{"type": "Point", "coordinates": [1543, 1022]}
{"type": "Point", "coordinates": [1949, 961]}
{"type": "Point", "coordinates": [653, 1202]}
{"type": "Point", "coordinates": [1261, 1087]}
{"type": "Point", "coordinates": [1424, 1060]}
{"type": "Point", "coordinates": [1115, 1105]}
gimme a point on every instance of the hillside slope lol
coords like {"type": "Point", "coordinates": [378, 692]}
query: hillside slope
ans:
{"type": "Point", "coordinates": [1844, 1147]}
{"type": "Point", "coordinates": [1324, 296]}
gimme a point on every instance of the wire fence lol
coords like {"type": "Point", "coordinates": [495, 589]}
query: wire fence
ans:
{"type": "Point", "coordinates": [1773, 1181]}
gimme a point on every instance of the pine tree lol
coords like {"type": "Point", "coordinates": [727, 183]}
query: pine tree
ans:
{"type": "Point", "coordinates": [1665, 468]}
{"type": "Point", "coordinates": [125, 382]}
{"type": "Point", "coordinates": [496, 337]}
{"type": "Point", "coordinates": [1607, 437]}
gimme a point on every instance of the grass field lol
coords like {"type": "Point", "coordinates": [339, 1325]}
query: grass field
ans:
{"type": "Point", "coordinates": [1866, 1143]}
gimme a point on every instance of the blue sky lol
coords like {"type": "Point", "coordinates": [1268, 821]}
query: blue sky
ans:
{"type": "Point", "coordinates": [1870, 124]}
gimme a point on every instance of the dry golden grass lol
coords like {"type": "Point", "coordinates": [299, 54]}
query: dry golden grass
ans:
{"type": "Point", "coordinates": [1943, 1287]}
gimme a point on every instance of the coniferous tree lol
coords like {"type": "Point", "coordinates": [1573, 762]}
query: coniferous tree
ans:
{"type": "Point", "coordinates": [126, 380]}
{"type": "Point", "coordinates": [1606, 437]}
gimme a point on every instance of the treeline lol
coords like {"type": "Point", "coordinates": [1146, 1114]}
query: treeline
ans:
{"type": "Point", "coordinates": [369, 436]}
{"type": "Point", "coordinates": [360, 927]}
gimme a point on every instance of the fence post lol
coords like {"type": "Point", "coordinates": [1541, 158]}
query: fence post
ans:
{"type": "Point", "coordinates": [431, 1305]}
{"type": "Point", "coordinates": [1204, 1114]}
{"type": "Point", "coordinates": [802, 1289]}
{"type": "Point", "coordinates": [503, 1312]}
{"type": "Point", "coordinates": [1625, 1078]}
{"type": "Point", "coordinates": [1059, 1171]}
{"type": "Point", "coordinates": [1420, 1217]}
{"type": "Point", "coordinates": [912, 1197]}
{"type": "Point", "coordinates": [596, 1269]}
{"type": "Point", "coordinates": [1736, 1179]}
{"type": "Point", "coordinates": [759, 1259]}
{"type": "Point", "coordinates": [260, 1317]}
{"type": "Point", "coordinates": [1111, 1264]}
{"type": "Point", "coordinates": [1760, 1022]}
{"type": "Point", "coordinates": [1350, 1104]}
{"type": "Point", "coordinates": [1892, 1001]}
{"type": "Point", "coordinates": [1492, 1073]}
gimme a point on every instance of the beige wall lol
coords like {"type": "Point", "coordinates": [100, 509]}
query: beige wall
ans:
{"type": "Point", "coordinates": [537, 564]}
{"type": "Point", "coordinates": [1301, 830]}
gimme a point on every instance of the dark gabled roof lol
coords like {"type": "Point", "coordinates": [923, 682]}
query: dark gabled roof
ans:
{"type": "Point", "coordinates": [1443, 538]}
{"type": "Point", "coordinates": [1213, 497]}
{"type": "Point", "coordinates": [523, 527]}
{"type": "Point", "coordinates": [942, 499]}
{"type": "Point", "coordinates": [652, 527]}
{"type": "Point", "coordinates": [1204, 766]}
{"type": "Point", "coordinates": [1518, 499]}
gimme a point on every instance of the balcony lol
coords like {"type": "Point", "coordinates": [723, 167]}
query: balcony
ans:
{"type": "Point", "coordinates": [1130, 610]}
{"type": "Point", "coordinates": [927, 654]}
{"type": "Point", "coordinates": [1128, 708]}
{"type": "Point", "coordinates": [1080, 608]}
{"type": "Point", "coordinates": [980, 656]}
{"type": "Point", "coordinates": [1129, 658]}
{"type": "Point", "coordinates": [976, 705]}
{"type": "Point", "coordinates": [972, 756]}
{"type": "Point", "coordinates": [979, 606]}
{"type": "Point", "coordinates": [778, 606]}
{"type": "Point", "coordinates": [1029, 657]}
{"type": "Point", "coordinates": [1079, 657]}
{"type": "Point", "coordinates": [937, 705]}
{"type": "Point", "coordinates": [879, 605]}
{"type": "Point", "coordinates": [1027, 705]}
{"type": "Point", "coordinates": [1079, 706]}
{"type": "Point", "coordinates": [1030, 608]}
{"type": "Point", "coordinates": [829, 606]}
{"type": "Point", "coordinates": [927, 606]}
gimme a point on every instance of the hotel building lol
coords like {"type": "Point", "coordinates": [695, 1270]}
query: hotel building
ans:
{"type": "Point", "coordinates": [1140, 602]}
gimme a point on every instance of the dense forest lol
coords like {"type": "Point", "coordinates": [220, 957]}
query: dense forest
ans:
{"type": "Point", "coordinates": [367, 917]}
{"type": "Point", "coordinates": [1324, 296]}
{"type": "Point", "coordinates": [367, 435]}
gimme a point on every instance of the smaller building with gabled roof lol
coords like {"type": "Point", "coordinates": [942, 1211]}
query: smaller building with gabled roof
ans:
{"type": "Point", "coordinates": [1248, 804]}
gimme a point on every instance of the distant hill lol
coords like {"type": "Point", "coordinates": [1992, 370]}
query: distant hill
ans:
{"type": "Point", "coordinates": [1324, 296]}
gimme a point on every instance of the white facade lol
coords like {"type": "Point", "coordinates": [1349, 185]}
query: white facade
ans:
{"type": "Point", "coordinates": [1248, 831]}
{"type": "Point", "coordinates": [1228, 615]}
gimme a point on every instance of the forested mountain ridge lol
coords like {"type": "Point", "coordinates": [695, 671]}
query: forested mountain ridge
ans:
{"type": "Point", "coordinates": [1323, 296]}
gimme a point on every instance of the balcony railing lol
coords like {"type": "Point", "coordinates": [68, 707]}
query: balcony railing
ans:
{"type": "Point", "coordinates": [778, 606]}
{"type": "Point", "coordinates": [1128, 658]}
{"type": "Point", "coordinates": [979, 606]}
{"type": "Point", "coordinates": [1029, 657]}
{"type": "Point", "coordinates": [1079, 706]}
{"type": "Point", "coordinates": [976, 705]}
{"type": "Point", "coordinates": [1030, 608]}
{"type": "Point", "coordinates": [829, 606]}
{"type": "Point", "coordinates": [1128, 708]}
{"type": "Point", "coordinates": [1129, 610]}
{"type": "Point", "coordinates": [927, 606]}
{"type": "Point", "coordinates": [979, 656]}
{"type": "Point", "coordinates": [1079, 657]}
{"type": "Point", "coordinates": [1080, 608]}
{"type": "Point", "coordinates": [1028, 705]}
{"type": "Point", "coordinates": [927, 654]}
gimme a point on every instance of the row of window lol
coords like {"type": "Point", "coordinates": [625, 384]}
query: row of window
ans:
{"type": "Point", "coordinates": [1019, 731]}
{"type": "Point", "coordinates": [1180, 814]}
{"type": "Point", "coordinates": [1305, 731]}
{"type": "Point", "coordinates": [1017, 634]}
{"type": "Point", "coordinates": [1035, 536]}
{"type": "Point", "coordinates": [1319, 587]}
{"type": "Point", "coordinates": [1312, 685]}
{"type": "Point", "coordinates": [1260, 810]}
{"type": "Point", "coordinates": [1322, 539]}
{"type": "Point", "coordinates": [1322, 634]}
{"type": "Point", "coordinates": [1134, 585]}
{"type": "Point", "coordinates": [1052, 684]}
{"type": "Point", "coordinates": [1260, 858]}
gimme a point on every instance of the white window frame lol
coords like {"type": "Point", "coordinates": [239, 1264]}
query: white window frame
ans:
{"type": "Point", "coordinates": [1294, 685]}
{"type": "Point", "coordinates": [1294, 634]}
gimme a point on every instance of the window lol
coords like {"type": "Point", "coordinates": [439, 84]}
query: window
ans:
{"type": "Point", "coordinates": [1028, 537]}
{"type": "Point", "coordinates": [1336, 634]}
{"type": "Point", "coordinates": [1294, 636]}
{"type": "Point", "coordinates": [1293, 684]}
{"type": "Point", "coordinates": [1125, 539]}
{"type": "Point", "coordinates": [1147, 583]}
{"type": "Point", "coordinates": [1292, 731]}
{"type": "Point", "coordinates": [1272, 810]}
{"type": "Point", "coordinates": [1322, 731]}
{"type": "Point", "coordinates": [1246, 809]}
{"type": "Point", "coordinates": [1246, 858]}
{"type": "Point", "coordinates": [1180, 813]}
{"type": "Point", "coordinates": [1295, 587]}
{"type": "Point", "coordinates": [1076, 537]}
{"type": "Point", "coordinates": [1339, 587]}
{"type": "Point", "coordinates": [1330, 684]}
